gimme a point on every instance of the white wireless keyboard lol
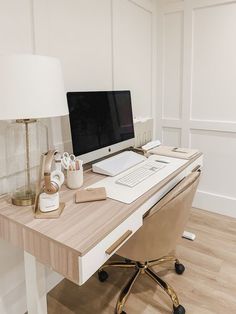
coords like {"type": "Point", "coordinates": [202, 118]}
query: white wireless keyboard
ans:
{"type": "Point", "coordinates": [140, 174]}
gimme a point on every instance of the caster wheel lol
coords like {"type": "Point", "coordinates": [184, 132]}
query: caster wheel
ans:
{"type": "Point", "coordinates": [179, 268]}
{"type": "Point", "coordinates": [179, 310]}
{"type": "Point", "coordinates": [102, 275]}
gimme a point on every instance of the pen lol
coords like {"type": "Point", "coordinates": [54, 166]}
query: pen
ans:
{"type": "Point", "coordinates": [176, 149]}
{"type": "Point", "coordinates": [164, 162]}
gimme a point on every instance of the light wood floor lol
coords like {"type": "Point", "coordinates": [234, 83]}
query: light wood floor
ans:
{"type": "Point", "coordinates": [208, 285]}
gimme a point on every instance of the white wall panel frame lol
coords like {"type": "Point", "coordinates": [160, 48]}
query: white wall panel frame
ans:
{"type": "Point", "coordinates": [217, 187]}
{"type": "Point", "coordinates": [214, 68]}
{"type": "Point", "coordinates": [187, 72]}
{"type": "Point", "coordinates": [161, 121]}
{"type": "Point", "coordinates": [125, 57]}
{"type": "Point", "coordinates": [175, 123]}
{"type": "Point", "coordinates": [172, 65]}
{"type": "Point", "coordinates": [205, 198]}
{"type": "Point", "coordinates": [186, 120]}
{"type": "Point", "coordinates": [171, 136]}
{"type": "Point", "coordinates": [159, 71]}
{"type": "Point", "coordinates": [154, 63]}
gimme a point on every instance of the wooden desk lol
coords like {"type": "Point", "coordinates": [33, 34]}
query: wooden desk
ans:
{"type": "Point", "coordinates": [75, 244]}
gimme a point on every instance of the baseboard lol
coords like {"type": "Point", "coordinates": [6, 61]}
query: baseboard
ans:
{"type": "Point", "coordinates": [215, 203]}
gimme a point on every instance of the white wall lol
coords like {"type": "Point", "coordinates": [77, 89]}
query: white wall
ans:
{"type": "Point", "coordinates": [105, 44]}
{"type": "Point", "coordinates": [196, 91]}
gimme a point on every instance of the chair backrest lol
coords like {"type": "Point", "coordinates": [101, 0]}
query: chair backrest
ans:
{"type": "Point", "coordinates": [164, 223]}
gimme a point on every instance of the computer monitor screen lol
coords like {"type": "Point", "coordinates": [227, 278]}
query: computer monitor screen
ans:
{"type": "Point", "coordinates": [101, 122]}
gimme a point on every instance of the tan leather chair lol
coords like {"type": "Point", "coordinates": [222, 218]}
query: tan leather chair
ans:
{"type": "Point", "coordinates": [153, 243]}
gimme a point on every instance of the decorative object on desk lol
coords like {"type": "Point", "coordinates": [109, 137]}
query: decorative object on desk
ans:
{"type": "Point", "coordinates": [151, 145]}
{"type": "Point", "coordinates": [48, 202]}
{"type": "Point", "coordinates": [90, 194]}
{"type": "Point", "coordinates": [58, 164]}
{"type": "Point", "coordinates": [49, 215]}
{"type": "Point", "coordinates": [70, 162]}
{"type": "Point", "coordinates": [31, 87]}
{"type": "Point", "coordinates": [176, 152]}
{"type": "Point", "coordinates": [75, 178]}
{"type": "Point", "coordinates": [143, 129]}
{"type": "Point", "coordinates": [74, 168]}
{"type": "Point", "coordinates": [47, 197]}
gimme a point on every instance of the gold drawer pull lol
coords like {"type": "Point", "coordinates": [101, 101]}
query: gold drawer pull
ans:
{"type": "Point", "coordinates": [115, 245]}
{"type": "Point", "coordinates": [196, 168]}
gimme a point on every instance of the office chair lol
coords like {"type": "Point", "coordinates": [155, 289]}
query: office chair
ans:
{"type": "Point", "coordinates": [153, 243]}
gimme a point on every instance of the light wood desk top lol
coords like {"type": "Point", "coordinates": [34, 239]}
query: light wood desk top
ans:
{"type": "Point", "coordinates": [80, 227]}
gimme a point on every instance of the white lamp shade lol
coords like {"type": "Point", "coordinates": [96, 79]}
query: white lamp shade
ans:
{"type": "Point", "coordinates": [31, 86]}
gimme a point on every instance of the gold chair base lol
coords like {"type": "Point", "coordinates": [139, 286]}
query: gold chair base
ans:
{"type": "Point", "coordinates": [143, 268]}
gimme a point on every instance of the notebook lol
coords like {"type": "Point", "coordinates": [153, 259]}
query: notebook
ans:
{"type": "Point", "coordinates": [90, 194]}
{"type": "Point", "coordinates": [176, 152]}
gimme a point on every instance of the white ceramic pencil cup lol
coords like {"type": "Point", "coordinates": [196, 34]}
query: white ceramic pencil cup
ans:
{"type": "Point", "coordinates": [75, 178]}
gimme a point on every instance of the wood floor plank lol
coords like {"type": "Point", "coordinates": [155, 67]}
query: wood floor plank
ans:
{"type": "Point", "coordinates": [207, 286]}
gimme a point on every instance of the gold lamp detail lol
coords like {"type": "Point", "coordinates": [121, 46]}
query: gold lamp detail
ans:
{"type": "Point", "coordinates": [31, 87]}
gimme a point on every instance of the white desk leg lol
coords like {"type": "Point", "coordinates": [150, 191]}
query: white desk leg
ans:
{"type": "Point", "coordinates": [35, 279]}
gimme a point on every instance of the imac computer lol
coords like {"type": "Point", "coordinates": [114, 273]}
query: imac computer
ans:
{"type": "Point", "coordinates": [101, 123]}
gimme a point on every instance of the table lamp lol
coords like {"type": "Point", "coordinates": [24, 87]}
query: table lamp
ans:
{"type": "Point", "coordinates": [31, 87]}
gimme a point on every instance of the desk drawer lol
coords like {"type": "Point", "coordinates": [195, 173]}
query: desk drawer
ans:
{"type": "Point", "coordinates": [97, 256]}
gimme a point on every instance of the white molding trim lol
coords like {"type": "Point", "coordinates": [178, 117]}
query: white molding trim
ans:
{"type": "Point", "coordinates": [33, 40]}
{"type": "Point", "coordinates": [163, 65]}
{"type": "Point", "coordinates": [188, 124]}
{"type": "Point", "coordinates": [112, 44]}
{"type": "Point", "coordinates": [215, 203]}
{"type": "Point", "coordinates": [201, 4]}
{"type": "Point", "coordinates": [143, 4]}
{"type": "Point", "coordinates": [220, 126]}
{"type": "Point", "coordinates": [165, 14]}
{"type": "Point", "coordinates": [159, 72]}
{"type": "Point", "coordinates": [172, 123]}
{"type": "Point", "coordinates": [187, 72]}
{"type": "Point", "coordinates": [154, 67]}
{"type": "Point", "coordinates": [214, 126]}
